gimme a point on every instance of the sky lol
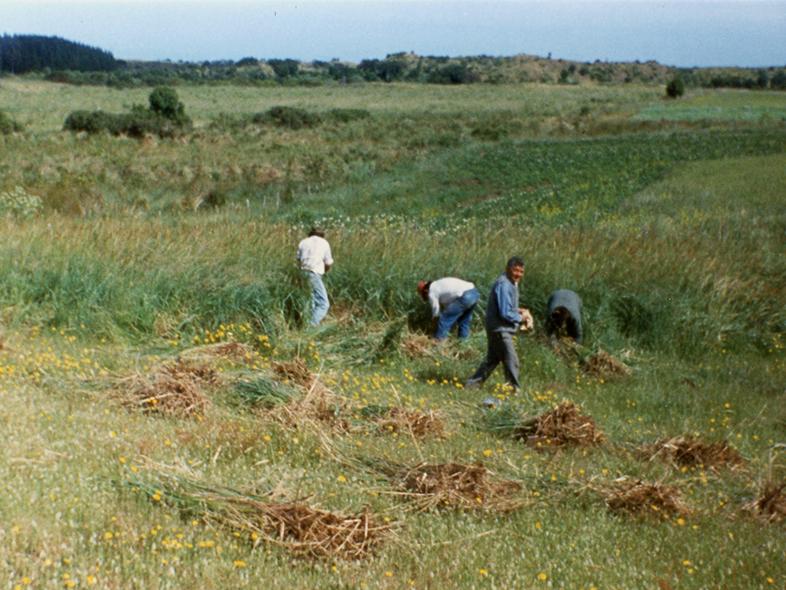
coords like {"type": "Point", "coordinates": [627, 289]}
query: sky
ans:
{"type": "Point", "coordinates": [749, 33]}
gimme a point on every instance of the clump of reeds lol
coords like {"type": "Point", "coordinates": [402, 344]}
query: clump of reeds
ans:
{"type": "Point", "coordinates": [689, 451]}
{"type": "Point", "coordinates": [402, 420]}
{"type": "Point", "coordinates": [603, 365]}
{"type": "Point", "coordinates": [175, 388]}
{"type": "Point", "coordinates": [260, 391]}
{"type": "Point", "coordinates": [640, 498]}
{"type": "Point", "coordinates": [770, 503]}
{"type": "Point", "coordinates": [560, 426]}
{"type": "Point", "coordinates": [455, 485]}
{"type": "Point", "coordinates": [294, 525]}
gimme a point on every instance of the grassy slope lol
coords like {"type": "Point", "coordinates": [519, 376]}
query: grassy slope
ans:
{"type": "Point", "coordinates": [696, 241]}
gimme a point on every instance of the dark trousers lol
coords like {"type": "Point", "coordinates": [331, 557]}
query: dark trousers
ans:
{"type": "Point", "coordinates": [500, 350]}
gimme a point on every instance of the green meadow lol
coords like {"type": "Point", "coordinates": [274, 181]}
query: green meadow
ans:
{"type": "Point", "coordinates": [119, 256]}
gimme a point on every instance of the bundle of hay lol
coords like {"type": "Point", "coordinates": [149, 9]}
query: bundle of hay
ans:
{"type": "Point", "coordinates": [318, 404]}
{"type": "Point", "coordinates": [417, 346]}
{"type": "Point", "coordinates": [454, 485]}
{"type": "Point", "coordinates": [175, 388]}
{"type": "Point", "coordinates": [295, 371]}
{"type": "Point", "coordinates": [641, 498]}
{"type": "Point", "coordinates": [402, 420]}
{"type": "Point", "coordinates": [294, 525]}
{"type": "Point", "coordinates": [689, 451]}
{"type": "Point", "coordinates": [563, 425]}
{"type": "Point", "coordinates": [603, 365]}
{"type": "Point", "coordinates": [770, 505]}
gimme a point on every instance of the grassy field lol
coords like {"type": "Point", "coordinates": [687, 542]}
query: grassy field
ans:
{"type": "Point", "coordinates": [670, 226]}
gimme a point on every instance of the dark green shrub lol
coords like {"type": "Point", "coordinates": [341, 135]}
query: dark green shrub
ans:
{"type": "Point", "coordinates": [164, 101]}
{"type": "Point", "coordinates": [8, 125]}
{"type": "Point", "coordinates": [675, 88]}
{"type": "Point", "coordinates": [347, 115]}
{"type": "Point", "coordinates": [290, 117]}
{"type": "Point", "coordinates": [92, 122]}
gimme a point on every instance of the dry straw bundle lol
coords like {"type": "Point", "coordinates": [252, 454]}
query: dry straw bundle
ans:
{"type": "Point", "coordinates": [413, 422]}
{"type": "Point", "coordinates": [770, 505]}
{"type": "Point", "coordinates": [563, 425]}
{"type": "Point", "coordinates": [416, 346]}
{"type": "Point", "coordinates": [319, 406]}
{"type": "Point", "coordinates": [294, 525]}
{"type": "Point", "coordinates": [689, 451]}
{"type": "Point", "coordinates": [641, 498]}
{"type": "Point", "coordinates": [174, 388]}
{"type": "Point", "coordinates": [603, 365]}
{"type": "Point", "coordinates": [454, 485]}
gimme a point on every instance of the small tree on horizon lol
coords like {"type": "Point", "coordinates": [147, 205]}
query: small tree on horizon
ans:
{"type": "Point", "coordinates": [675, 88]}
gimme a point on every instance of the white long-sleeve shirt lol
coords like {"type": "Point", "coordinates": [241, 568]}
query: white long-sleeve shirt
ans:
{"type": "Point", "coordinates": [443, 292]}
{"type": "Point", "coordinates": [313, 253]}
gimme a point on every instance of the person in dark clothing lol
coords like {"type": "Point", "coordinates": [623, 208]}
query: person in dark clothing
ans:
{"type": "Point", "coordinates": [564, 315]}
{"type": "Point", "coordinates": [503, 316]}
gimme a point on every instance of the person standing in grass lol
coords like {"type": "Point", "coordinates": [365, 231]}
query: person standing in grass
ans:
{"type": "Point", "coordinates": [503, 317]}
{"type": "Point", "coordinates": [452, 302]}
{"type": "Point", "coordinates": [564, 315]}
{"type": "Point", "coordinates": [315, 258]}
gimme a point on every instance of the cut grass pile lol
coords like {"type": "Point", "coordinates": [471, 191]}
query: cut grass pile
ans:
{"type": "Point", "coordinates": [640, 498]}
{"type": "Point", "coordinates": [563, 425]}
{"type": "Point", "coordinates": [770, 504]}
{"type": "Point", "coordinates": [690, 451]}
{"type": "Point", "coordinates": [403, 420]}
{"type": "Point", "coordinates": [456, 486]}
{"type": "Point", "coordinates": [603, 365]}
{"type": "Point", "coordinates": [176, 388]}
{"type": "Point", "coordinates": [294, 525]}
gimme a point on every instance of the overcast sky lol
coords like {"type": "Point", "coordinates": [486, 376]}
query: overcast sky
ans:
{"type": "Point", "coordinates": [673, 32]}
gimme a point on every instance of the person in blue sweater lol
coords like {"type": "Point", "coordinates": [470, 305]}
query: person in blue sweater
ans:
{"type": "Point", "coordinates": [503, 316]}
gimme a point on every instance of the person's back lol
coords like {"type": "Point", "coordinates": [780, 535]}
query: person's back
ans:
{"type": "Point", "coordinates": [563, 310]}
{"type": "Point", "coordinates": [314, 254]}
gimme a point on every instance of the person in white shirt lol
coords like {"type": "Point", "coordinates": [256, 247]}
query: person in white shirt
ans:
{"type": "Point", "coordinates": [315, 258]}
{"type": "Point", "coordinates": [452, 301]}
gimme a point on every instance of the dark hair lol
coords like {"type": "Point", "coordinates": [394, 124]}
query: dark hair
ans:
{"type": "Point", "coordinates": [515, 261]}
{"type": "Point", "coordinates": [316, 231]}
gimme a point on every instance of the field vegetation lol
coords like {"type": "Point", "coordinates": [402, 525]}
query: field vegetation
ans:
{"type": "Point", "coordinates": [168, 421]}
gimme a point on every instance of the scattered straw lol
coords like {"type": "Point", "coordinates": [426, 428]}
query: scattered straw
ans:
{"type": "Point", "coordinates": [295, 525]}
{"type": "Point", "coordinates": [176, 389]}
{"type": "Point", "coordinates": [319, 406]}
{"type": "Point", "coordinates": [563, 425]}
{"type": "Point", "coordinates": [641, 498]}
{"type": "Point", "coordinates": [453, 485]}
{"type": "Point", "coordinates": [770, 505]}
{"type": "Point", "coordinates": [233, 351]}
{"type": "Point", "coordinates": [418, 346]}
{"type": "Point", "coordinates": [603, 365]}
{"type": "Point", "coordinates": [414, 422]}
{"type": "Point", "coordinates": [688, 451]}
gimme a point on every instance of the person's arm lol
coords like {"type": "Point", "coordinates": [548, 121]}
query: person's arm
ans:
{"type": "Point", "coordinates": [328, 259]}
{"type": "Point", "coordinates": [507, 310]}
{"type": "Point", "coordinates": [434, 302]}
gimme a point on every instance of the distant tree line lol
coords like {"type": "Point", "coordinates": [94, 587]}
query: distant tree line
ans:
{"type": "Point", "coordinates": [20, 54]}
{"type": "Point", "coordinates": [72, 63]}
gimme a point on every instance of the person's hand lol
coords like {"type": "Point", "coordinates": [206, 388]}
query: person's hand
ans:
{"type": "Point", "coordinates": [527, 323]}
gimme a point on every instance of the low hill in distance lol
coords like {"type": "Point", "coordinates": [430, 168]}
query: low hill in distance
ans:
{"type": "Point", "coordinates": [68, 62]}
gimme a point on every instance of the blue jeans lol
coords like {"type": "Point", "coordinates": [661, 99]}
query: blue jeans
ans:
{"type": "Point", "coordinates": [319, 297]}
{"type": "Point", "coordinates": [458, 311]}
